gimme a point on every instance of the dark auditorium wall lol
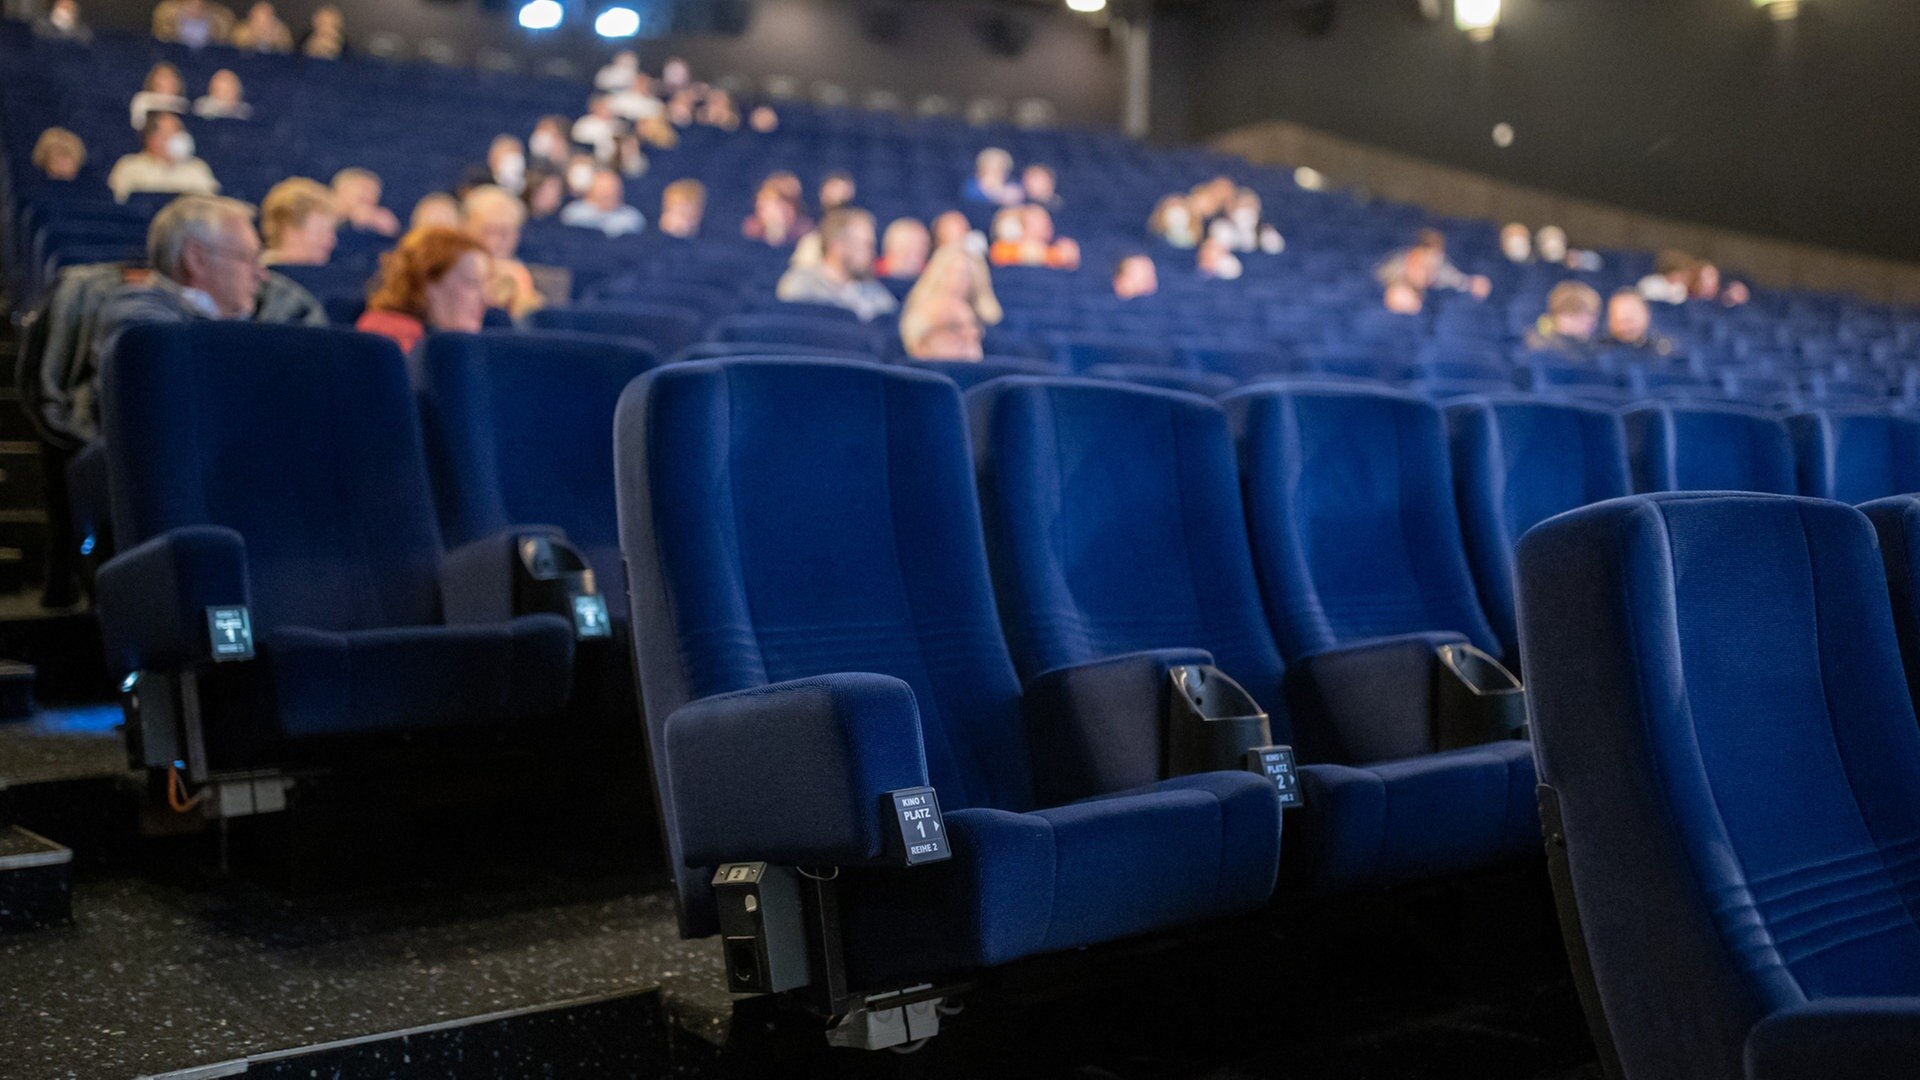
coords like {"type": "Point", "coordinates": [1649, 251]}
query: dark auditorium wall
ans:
{"type": "Point", "coordinates": [1701, 110]}
{"type": "Point", "coordinates": [938, 49]}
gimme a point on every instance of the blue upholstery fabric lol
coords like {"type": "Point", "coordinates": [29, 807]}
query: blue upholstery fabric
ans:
{"type": "Point", "coordinates": [304, 441]}
{"type": "Point", "coordinates": [1516, 463]}
{"type": "Point", "coordinates": [289, 460]}
{"type": "Point", "coordinates": [1115, 526]}
{"type": "Point", "coordinates": [412, 678]}
{"type": "Point", "coordinates": [1859, 1038]}
{"type": "Point", "coordinates": [825, 750]}
{"type": "Point", "coordinates": [1717, 697]}
{"type": "Point", "coordinates": [799, 330]}
{"type": "Point", "coordinates": [1896, 521]}
{"type": "Point", "coordinates": [1854, 457]}
{"type": "Point", "coordinates": [153, 598]}
{"type": "Point", "coordinates": [519, 428]}
{"type": "Point", "coordinates": [1167, 378]}
{"type": "Point", "coordinates": [766, 545]}
{"type": "Point", "coordinates": [971, 373]}
{"type": "Point", "coordinates": [1349, 500]}
{"type": "Point", "coordinates": [1019, 884]}
{"type": "Point", "coordinates": [1708, 448]}
{"type": "Point", "coordinates": [662, 331]}
{"type": "Point", "coordinates": [1414, 818]}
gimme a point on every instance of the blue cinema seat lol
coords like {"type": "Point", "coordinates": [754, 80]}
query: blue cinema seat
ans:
{"type": "Point", "coordinates": [281, 468]}
{"type": "Point", "coordinates": [853, 337]}
{"type": "Point", "coordinates": [519, 428]}
{"type": "Point", "coordinates": [1704, 447]}
{"type": "Point", "coordinates": [1854, 457]}
{"type": "Point", "coordinates": [1516, 462]}
{"type": "Point", "coordinates": [971, 373]}
{"type": "Point", "coordinates": [661, 330]}
{"type": "Point", "coordinates": [1896, 519]}
{"type": "Point", "coordinates": [815, 626]}
{"type": "Point", "coordinates": [1120, 547]}
{"type": "Point", "coordinates": [1727, 741]}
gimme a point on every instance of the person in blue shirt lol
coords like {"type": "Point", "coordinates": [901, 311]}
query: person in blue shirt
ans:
{"type": "Point", "coordinates": [604, 207]}
{"type": "Point", "coordinates": [992, 179]}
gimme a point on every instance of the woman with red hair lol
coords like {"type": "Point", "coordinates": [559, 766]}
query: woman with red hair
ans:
{"type": "Point", "coordinates": [434, 280]}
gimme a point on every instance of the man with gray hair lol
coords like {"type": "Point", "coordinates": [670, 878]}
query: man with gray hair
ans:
{"type": "Point", "coordinates": [203, 257]}
{"type": "Point", "coordinates": [843, 274]}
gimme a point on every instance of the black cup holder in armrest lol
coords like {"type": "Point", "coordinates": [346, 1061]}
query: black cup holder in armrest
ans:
{"type": "Point", "coordinates": [1212, 722]}
{"type": "Point", "coordinates": [552, 577]}
{"type": "Point", "coordinates": [1477, 700]}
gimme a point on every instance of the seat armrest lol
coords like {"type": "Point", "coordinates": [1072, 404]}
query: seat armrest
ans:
{"type": "Point", "coordinates": [477, 578]}
{"type": "Point", "coordinates": [1858, 1038]}
{"type": "Point", "coordinates": [794, 773]}
{"type": "Point", "coordinates": [1367, 701]}
{"type": "Point", "coordinates": [1100, 727]}
{"type": "Point", "coordinates": [153, 598]}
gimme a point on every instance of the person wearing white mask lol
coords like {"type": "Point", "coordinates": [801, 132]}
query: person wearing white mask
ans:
{"type": "Point", "coordinates": [1516, 243]}
{"type": "Point", "coordinates": [599, 129]}
{"type": "Point", "coordinates": [165, 163]}
{"type": "Point", "coordinates": [579, 175]}
{"type": "Point", "coordinates": [619, 72]}
{"type": "Point", "coordinates": [675, 76]}
{"type": "Point", "coordinates": [506, 167]}
{"type": "Point", "coordinates": [637, 101]}
{"type": "Point", "coordinates": [1217, 261]}
{"type": "Point", "coordinates": [1244, 229]}
{"type": "Point", "coordinates": [547, 146]}
{"type": "Point", "coordinates": [1173, 222]}
{"type": "Point", "coordinates": [1551, 243]}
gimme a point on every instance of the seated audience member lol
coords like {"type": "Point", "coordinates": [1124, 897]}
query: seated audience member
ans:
{"type": "Point", "coordinates": [1024, 237]}
{"type": "Point", "coordinates": [1573, 315]}
{"type": "Point", "coordinates": [1211, 199]}
{"type": "Point", "coordinates": [843, 276]}
{"type": "Point", "coordinates": [1551, 243]}
{"type": "Point", "coordinates": [162, 92]}
{"type": "Point", "coordinates": [657, 133]}
{"type": "Point", "coordinates": [434, 279]}
{"type": "Point", "coordinates": [579, 175]}
{"type": "Point", "coordinates": [635, 101]}
{"type": "Point", "coordinates": [59, 154]}
{"type": "Point", "coordinates": [300, 222]}
{"type": "Point", "coordinates": [546, 194]}
{"type": "Point", "coordinates": [1705, 285]}
{"type": "Point", "coordinates": [953, 227]}
{"type": "Point", "coordinates": [991, 181]}
{"type": "Point", "coordinates": [224, 99]}
{"type": "Point", "coordinates": [1216, 261]}
{"type": "Point", "coordinates": [956, 270]}
{"type": "Point", "coordinates": [1038, 184]}
{"type": "Point", "coordinates": [505, 167]}
{"type": "Point", "coordinates": [493, 216]}
{"type": "Point", "coordinates": [619, 72]}
{"type": "Point", "coordinates": [1516, 243]}
{"type": "Point", "coordinates": [836, 190]}
{"type": "Point", "coordinates": [599, 129]}
{"type": "Point", "coordinates": [1630, 324]}
{"type": "Point", "coordinates": [165, 163]}
{"type": "Point", "coordinates": [763, 120]}
{"type": "Point", "coordinates": [549, 144]}
{"type": "Point", "coordinates": [1403, 298]}
{"type": "Point", "coordinates": [1425, 266]}
{"type": "Point", "coordinates": [438, 210]}
{"type": "Point", "coordinates": [682, 204]}
{"type": "Point", "coordinates": [356, 193]}
{"type": "Point", "coordinates": [327, 40]}
{"type": "Point", "coordinates": [774, 221]}
{"type": "Point", "coordinates": [717, 110]}
{"type": "Point", "coordinates": [262, 31]}
{"type": "Point", "coordinates": [676, 75]}
{"type": "Point", "coordinates": [62, 22]}
{"type": "Point", "coordinates": [1243, 228]}
{"type": "Point", "coordinates": [680, 108]}
{"type": "Point", "coordinates": [193, 23]}
{"type": "Point", "coordinates": [940, 326]}
{"type": "Point", "coordinates": [628, 157]}
{"type": "Point", "coordinates": [205, 260]}
{"type": "Point", "coordinates": [1135, 276]}
{"type": "Point", "coordinates": [1173, 221]}
{"type": "Point", "coordinates": [1671, 280]}
{"type": "Point", "coordinates": [604, 208]}
{"type": "Point", "coordinates": [903, 250]}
